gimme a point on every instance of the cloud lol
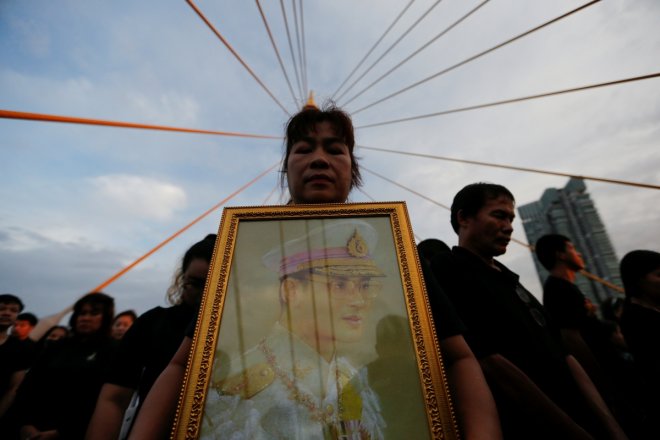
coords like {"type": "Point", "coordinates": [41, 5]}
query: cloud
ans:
{"type": "Point", "coordinates": [31, 37]}
{"type": "Point", "coordinates": [167, 108]}
{"type": "Point", "coordinates": [50, 275]}
{"type": "Point", "coordinates": [137, 196]}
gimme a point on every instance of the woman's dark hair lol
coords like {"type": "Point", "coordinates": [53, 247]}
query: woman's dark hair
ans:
{"type": "Point", "coordinates": [634, 266]}
{"type": "Point", "coordinates": [107, 304]}
{"type": "Point", "coordinates": [306, 120]}
{"type": "Point", "coordinates": [43, 341]}
{"type": "Point", "coordinates": [474, 197]}
{"type": "Point", "coordinates": [130, 313]}
{"type": "Point", "coordinates": [201, 250]}
{"type": "Point", "coordinates": [431, 247]}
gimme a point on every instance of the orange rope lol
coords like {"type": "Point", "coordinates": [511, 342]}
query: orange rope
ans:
{"type": "Point", "coordinates": [515, 240]}
{"type": "Point", "coordinates": [277, 52]}
{"type": "Point", "coordinates": [116, 276]}
{"type": "Point", "coordinates": [238, 57]}
{"type": "Point", "coordinates": [511, 167]}
{"type": "Point", "coordinates": [10, 114]}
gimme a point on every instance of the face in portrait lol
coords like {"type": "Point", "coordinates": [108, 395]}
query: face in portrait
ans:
{"type": "Point", "coordinates": [339, 303]}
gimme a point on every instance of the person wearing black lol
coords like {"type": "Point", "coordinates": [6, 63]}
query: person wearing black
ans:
{"type": "Point", "coordinates": [16, 356]}
{"type": "Point", "coordinates": [640, 322]}
{"type": "Point", "coordinates": [586, 337]}
{"type": "Point", "coordinates": [319, 167]}
{"type": "Point", "coordinates": [541, 392]}
{"type": "Point", "coordinates": [150, 343]}
{"type": "Point", "coordinates": [57, 397]}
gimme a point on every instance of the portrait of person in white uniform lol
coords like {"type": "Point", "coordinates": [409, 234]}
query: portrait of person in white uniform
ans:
{"type": "Point", "coordinates": [296, 382]}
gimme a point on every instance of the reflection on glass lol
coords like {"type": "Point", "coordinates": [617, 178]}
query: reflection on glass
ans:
{"type": "Point", "coordinates": [300, 334]}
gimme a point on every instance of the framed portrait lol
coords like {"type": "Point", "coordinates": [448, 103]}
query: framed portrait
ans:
{"type": "Point", "coordinates": [315, 324]}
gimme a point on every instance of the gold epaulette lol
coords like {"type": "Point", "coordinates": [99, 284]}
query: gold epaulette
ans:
{"type": "Point", "coordinates": [248, 382]}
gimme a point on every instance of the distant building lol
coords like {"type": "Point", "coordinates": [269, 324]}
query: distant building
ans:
{"type": "Point", "coordinates": [571, 212]}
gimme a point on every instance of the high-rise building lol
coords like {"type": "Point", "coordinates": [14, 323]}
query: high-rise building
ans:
{"type": "Point", "coordinates": [571, 212]}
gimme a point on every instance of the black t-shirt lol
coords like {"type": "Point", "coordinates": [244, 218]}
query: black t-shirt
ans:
{"type": "Point", "coordinates": [60, 390]}
{"type": "Point", "coordinates": [148, 346]}
{"type": "Point", "coordinates": [503, 318]}
{"type": "Point", "coordinates": [447, 323]}
{"type": "Point", "coordinates": [641, 328]}
{"type": "Point", "coordinates": [564, 303]}
{"type": "Point", "coordinates": [15, 355]}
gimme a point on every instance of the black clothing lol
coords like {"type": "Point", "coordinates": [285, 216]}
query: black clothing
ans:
{"type": "Point", "coordinates": [447, 323]}
{"type": "Point", "coordinates": [564, 303]}
{"type": "Point", "coordinates": [502, 317]}
{"type": "Point", "coordinates": [148, 346]}
{"type": "Point", "coordinates": [60, 390]}
{"type": "Point", "coordinates": [641, 328]}
{"type": "Point", "coordinates": [613, 373]}
{"type": "Point", "coordinates": [15, 355]}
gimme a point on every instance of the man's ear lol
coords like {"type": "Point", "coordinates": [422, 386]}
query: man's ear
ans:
{"type": "Point", "coordinates": [560, 257]}
{"type": "Point", "coordinates": [462, 218]}
{"type": "Point", "coordinates": [290, 291]}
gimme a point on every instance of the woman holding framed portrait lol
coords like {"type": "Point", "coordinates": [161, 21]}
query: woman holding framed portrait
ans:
{"type": "Point", "coordinates": [319, 167]}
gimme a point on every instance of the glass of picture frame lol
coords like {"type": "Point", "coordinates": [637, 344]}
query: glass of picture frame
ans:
{"type": "Point", "coordinates": [315, 324]}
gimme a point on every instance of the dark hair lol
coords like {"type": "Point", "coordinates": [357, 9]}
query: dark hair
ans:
{"type": "Point", "coordinates": [201, 250]}
{"type": "Point", "coordinates": [130, 313]}
{"type": "Point", "coordinates": [305, 121]}
{"type": "Point", "coordinates": [546, 249]}
{"type": "Point", "coordinates": [473, 197]}
{"type": "Point", "coordinates": [431, 247]}
{"type": "Point", "coordinates": [42, 342]}
{"type": "Point", "coordinates": [52, 329]}
{"type": "Point", "coordinates": [29, 317]}
{"type": "Point", "coordinates": [634, 266]}
{"type": "Point", "coordinates": [8, 298]}
{"type": "Point", "coordinates": [107, 304]}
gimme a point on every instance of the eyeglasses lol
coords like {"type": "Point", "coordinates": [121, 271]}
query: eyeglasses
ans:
{"type": "Point", "coordinates": [340, 287]}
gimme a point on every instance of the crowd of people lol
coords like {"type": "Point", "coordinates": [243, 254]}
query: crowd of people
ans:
{"type": "Point", "coordinates": [517, 368]}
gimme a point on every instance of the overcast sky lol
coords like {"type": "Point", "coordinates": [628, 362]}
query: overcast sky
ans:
{"type": "Point", "coordinates": [80, 202]}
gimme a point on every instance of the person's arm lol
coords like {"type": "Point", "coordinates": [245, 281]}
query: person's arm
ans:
{"type": "Point", "coordinates": [477, 413]}
{"type": "Point", "coordinates": [579, 349]}
{"type": "Point", "coordinates": [594, 400]}
{"type": "Point", "coordinates": [514, 383]}
{"type": "Point", "coordinates": [155, 418]}
{"type": "Point", "coordinates": [109, 413]}
{"type": "Point", "coordinates": [8, 398]}
{"type": "Point", "coordinates": [29, 432]}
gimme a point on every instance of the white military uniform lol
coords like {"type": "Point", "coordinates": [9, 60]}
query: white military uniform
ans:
{"type": "Point", "coordinates": [286, 390]}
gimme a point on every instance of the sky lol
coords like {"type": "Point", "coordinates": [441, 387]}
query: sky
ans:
{"type": "Point", "coordinates": [81, 202]}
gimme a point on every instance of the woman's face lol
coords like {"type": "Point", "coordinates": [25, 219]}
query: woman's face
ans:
{"type": "Point", "coordinates": [194, 279]}
{"type": "Point", "coordinates": [56, 334]}
{"type": "Point", "coordinates": [319, 167]}
{"type": "Point", "coordinates": [120, 326]}
{"type": "Point", "coordinates": [89, 319]}
{"type": "Point", "coordinates": [650, 286]}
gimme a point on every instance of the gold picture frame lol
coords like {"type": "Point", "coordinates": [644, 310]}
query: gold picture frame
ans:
{"type": "Point", "coordinates": [315, 324]}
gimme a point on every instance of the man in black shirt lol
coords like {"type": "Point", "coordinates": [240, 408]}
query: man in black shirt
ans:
{"type": "Point", "coordinates": [587, 338]}
{"type": "Point", "coordinates": [16, 356]}
{"type": "Point", "coordinates": [541, 391]}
